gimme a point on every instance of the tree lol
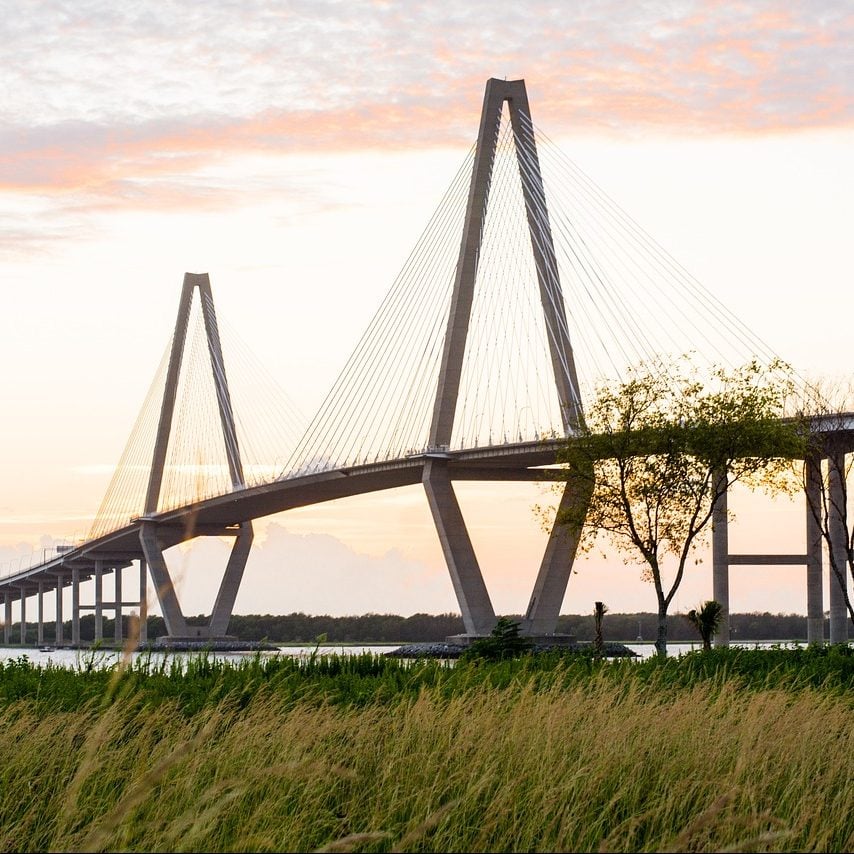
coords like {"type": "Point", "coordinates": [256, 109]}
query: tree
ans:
{"type": "Point", "coordinates": [656, 451]}
{"type": "Point", "coordinates": [599, 611]}
{"type": "Point", "coordinates": [503, 642]}
{"type": "Point", "coordinates": [706, 620]}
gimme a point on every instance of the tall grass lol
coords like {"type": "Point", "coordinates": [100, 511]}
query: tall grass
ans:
{"type": "Point", "coordinates": [367, 754]}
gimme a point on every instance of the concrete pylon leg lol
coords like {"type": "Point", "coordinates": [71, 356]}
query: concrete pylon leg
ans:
{"type": "Point", "coordinates": [143, 602]}
{"type": "Point", "coordinates": [838, 531]}
{"type": "Point", "coordinates": [720, 566]}
{"type": "Point", "coordinates": [40, 625]}
{"type": "Point", "coordinates": [99, 601]}
{"type": "Point", "coordinates": [75, 607]}
{"type": "Point", "coordinates": [7, 617]}
{"type": "Point", "coordinates": [472, 595]}
{"type": "Point", "coordinates": [119, 635]}
{"type": "Point", "coordinates": [815, 593]}
{"type": "Point", "coordinates": [556, 567]}
{"type": "Point", "coordinates": [23, 616]}
{"type": "Point", "coordinates": [164, 589]}
{"type": "Point", "coordinates": [230, 583]}
{"type": "Point", "coordinates": [59, 638]}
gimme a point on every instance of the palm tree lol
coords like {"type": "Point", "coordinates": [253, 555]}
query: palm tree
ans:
{"type": "Point", "coordinates": [706, 620]}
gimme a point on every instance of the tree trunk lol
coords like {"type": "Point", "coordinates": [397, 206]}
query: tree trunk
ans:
{"type": "Point", "coordinates": [661, 639]}
{"type": "Point", "coordinates": [598, 640]}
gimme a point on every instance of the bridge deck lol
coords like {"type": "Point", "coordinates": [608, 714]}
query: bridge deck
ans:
{"type": "Point", "coordinates": [221, 515]}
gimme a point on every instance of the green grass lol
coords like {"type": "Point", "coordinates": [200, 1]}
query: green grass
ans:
{"type": "Point", "coordinates": [732, 750]}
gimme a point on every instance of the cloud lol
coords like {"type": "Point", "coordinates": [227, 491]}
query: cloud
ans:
{"type": "Point", "coordinates": [143, 107]}
{"type": "Point", "coordinates": [206, 78]}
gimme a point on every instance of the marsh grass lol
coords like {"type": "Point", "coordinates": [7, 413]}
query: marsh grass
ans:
{"type": "Point", "coordinates": [709, 752]}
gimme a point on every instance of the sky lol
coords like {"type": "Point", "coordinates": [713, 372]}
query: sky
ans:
{"type": "Point", "coordinates": [295, 151]}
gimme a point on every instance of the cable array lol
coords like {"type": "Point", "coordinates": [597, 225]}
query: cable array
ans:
{"type": "Point", "coordinates": [379, 408]}
{"type": "Point", "coordinates": [567, 283]}
{"type": "Point", "coordinates": [267, 427]}
{"type": "Point", "coordinates": [628, 301]}
{"type": "Point", "coordinates": [599, 296]}
{"type": "Point", "coordinates": [507, 388]}
{"type": "Point", "coordinates": [125, 494]}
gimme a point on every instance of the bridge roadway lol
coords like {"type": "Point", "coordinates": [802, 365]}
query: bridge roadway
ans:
{"type": "Point", "coordinates": [228, 515]}
{"type": "Point", "coordinates": [222, 515]}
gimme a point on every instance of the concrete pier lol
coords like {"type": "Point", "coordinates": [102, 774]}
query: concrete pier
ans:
{"type": "Point", "coordinates": [143, 602]}
{"type": "Point", "coordinates": [838, 547]}
{"type": "Point", "coordinates": [75, 607]}
{"type": "Point", "coordinates": [815, 591]}
{"type": "Point", "coordinates": [720, 565]}
{"type": "Point", "coordinates": [7, 616]}
{"type": "Point", "coordinates": [40, 627]}
{"type": "Point", "coordinates": [119, 634]}
{"type": "Point", "coordinates": [99, 600]}
{"type": "Point", "coordinates": [59, 638]}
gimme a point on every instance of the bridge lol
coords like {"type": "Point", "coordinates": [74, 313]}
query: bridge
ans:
{"type": "Point", "coordinates": [475, 367]}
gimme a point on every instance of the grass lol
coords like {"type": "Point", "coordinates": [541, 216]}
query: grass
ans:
{"type": "Point", "coordinates": [734, 750]}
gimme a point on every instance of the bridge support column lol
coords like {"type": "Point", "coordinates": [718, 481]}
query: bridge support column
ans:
{"type": "Point", "coordinates": [23, 616]}
{"type": "Point", "coordinates": [838, 547]}
{"type": "Point", "coordinates": [99, 600]}
{"type": "Point", "coordinates": [119, 637]}
{"type": "Point", "coordinates": [143, 602]}
{"type": "Point", "coordinates": [815, 593]}
{"type": "Point", "coordinates": [556, 567]}
{"type": "Point", "coordinates": [40, 627]}
{"type": "Point", "coordinates": [476, 607]}
{"type": "Point", "coordinates": [720, 565]}
{"type": "Point", "coordinates": [472, 595]}
{"type": "Point", "coordinates": [224, 605]}
{"type": "Point", "coordinates": [7, 617]}
{"type": "Point", "coordinates": [75, 607]}
{"type": "Point", "coordinates": [164, 589]}
{"type": "Point", "coordinates": [59, 638]}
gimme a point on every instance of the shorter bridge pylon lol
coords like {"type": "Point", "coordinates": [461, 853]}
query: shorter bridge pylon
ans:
{"type": "Point", "coordinates": [154, 532]}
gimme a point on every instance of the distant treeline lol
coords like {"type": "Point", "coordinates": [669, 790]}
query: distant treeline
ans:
{"type": "Point", "coordinates": [380, 628]}
{"type": "Point", "coordinates": [392, 628]}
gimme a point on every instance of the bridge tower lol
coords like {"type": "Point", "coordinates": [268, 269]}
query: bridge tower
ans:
{"type": "Point", "coordinates": [550, 586]}
{"type": "Point", "coordinates": [151, 529]}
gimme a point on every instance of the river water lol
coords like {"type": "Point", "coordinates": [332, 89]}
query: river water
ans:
{"type": "Point", "coordinates": [106, 658]}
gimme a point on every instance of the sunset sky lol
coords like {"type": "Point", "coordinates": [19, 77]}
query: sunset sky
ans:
{"type": "Point", "coordinates": [295, 151]}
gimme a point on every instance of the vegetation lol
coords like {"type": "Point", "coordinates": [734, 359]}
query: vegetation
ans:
{"type": "Point", "coordinates": [657, 451]}
{"type": "Point", "coordinates": [392, 628]}
{"type": "Point", "coordinates": [503, 642]}
{"type": "Point", "coordinates": [538, 753]}
{"type": "Point", "coordinates": [706, 619]}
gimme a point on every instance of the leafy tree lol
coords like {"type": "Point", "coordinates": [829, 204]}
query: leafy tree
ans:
{"type": "Point", "coordinates": [657, 451]}
{"type": "Point", "coordinates": [599, 611]}
{"type": "Point", "coordinates": [706, 619]}
{"type": "Point", "coordinates": [503, 642]}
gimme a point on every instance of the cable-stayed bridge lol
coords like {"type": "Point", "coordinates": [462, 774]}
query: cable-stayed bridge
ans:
{"type": "Point", "coordinates": [527, 288]}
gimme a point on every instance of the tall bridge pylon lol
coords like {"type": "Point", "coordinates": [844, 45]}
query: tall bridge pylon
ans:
{"type": "Point", "coordinates": [150, 533]}
{"type": "Point", "coordinates": [550, 586]}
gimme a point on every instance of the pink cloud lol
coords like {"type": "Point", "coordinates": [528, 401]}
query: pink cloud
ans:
{"type": "Point", "coordinates": [401, 79]}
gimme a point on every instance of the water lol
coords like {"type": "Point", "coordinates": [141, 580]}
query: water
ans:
{"type": "Point", "coordinates": [106, 658]}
